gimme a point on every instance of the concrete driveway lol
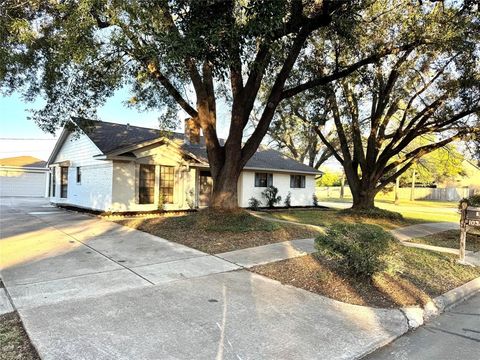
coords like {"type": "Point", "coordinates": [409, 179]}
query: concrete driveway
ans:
{"type": "Point", "coordinates": [91, 289]}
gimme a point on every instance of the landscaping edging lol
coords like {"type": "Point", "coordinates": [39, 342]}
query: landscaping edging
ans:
{"type": "Point", "coordinates": [417, 316]}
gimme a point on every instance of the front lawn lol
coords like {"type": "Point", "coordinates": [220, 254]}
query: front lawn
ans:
{"type": "Point", "coordinates": [363, 264]}
{"type": "Point", "coordinates": [322, 217]}
{"type": "Point", "coordinates": [450, 239]}
{"type": "Point", "coordinates": [14, 342]}
{"type": "Point", "coordinates": [216, 232]}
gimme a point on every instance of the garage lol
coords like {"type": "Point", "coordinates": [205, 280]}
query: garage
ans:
{"type": "Point", "coordinates": [23, 176]}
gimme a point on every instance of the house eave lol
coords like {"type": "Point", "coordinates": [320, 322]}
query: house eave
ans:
{"type": "Point", "coordinates": [251, 168]}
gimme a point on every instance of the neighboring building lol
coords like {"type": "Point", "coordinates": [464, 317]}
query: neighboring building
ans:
{"type": "Point", "coordinates": [23, 176]}
{"type": "Point", "coordinates": [118, 168]}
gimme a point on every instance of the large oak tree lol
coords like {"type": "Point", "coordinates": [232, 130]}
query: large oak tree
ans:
{"type": "Point", "coordinates": [428, 91]}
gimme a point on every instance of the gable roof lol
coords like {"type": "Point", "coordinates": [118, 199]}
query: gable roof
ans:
{"type": "Point", "coordinates": [23, 161]}
{"type": "Point", "coordinates": [113, 137]}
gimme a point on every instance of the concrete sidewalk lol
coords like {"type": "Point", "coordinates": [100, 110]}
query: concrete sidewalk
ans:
{"type": "Point", "coordinates": [269, 253]}
{"type": "Point", "coordinates": [89, 289]}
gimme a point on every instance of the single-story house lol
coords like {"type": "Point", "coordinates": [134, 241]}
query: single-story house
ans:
{"type": "Point", "coordinates": [121, 168]}
{"type": "Point", "coordinates": [23, 176]}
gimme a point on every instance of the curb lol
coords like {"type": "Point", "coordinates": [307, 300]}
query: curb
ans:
{"type": "Point", "coordinates": [416, 316]}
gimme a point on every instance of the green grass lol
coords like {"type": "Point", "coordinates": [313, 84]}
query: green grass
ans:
{"type": "Point", "coordinates": [450, 239]}
{"type": "Point", "coordinates": [413, 212]}
{"type": "Point", "coordinates": [329, 217]}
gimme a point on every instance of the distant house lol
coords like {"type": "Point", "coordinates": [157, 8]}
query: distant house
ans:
{"type": "Point", "coordinates": [23, 176]}
{"type": "Point", "coordinates": [119, 168]}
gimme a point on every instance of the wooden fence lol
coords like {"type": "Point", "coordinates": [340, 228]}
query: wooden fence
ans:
{"type": "Point", "coordinates": [419, 193]}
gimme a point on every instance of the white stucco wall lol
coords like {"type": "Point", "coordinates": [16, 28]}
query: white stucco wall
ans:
{"type": "Point", "coordinates": [299, 196]}
{"type": "Point", "coordinates": [95, 189]}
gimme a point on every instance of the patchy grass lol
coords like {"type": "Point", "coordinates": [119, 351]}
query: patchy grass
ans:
{"type": "Point", "coordinates": [451, 239]}
{"type": "Point", "coordinates": [321, 217]}
{"type": "Point", "coordinates": [411, 215]}
{"type": "Point", "coordinates": [14, 342]}
{"type": "Point", "coordinates": [420, 275]}
{"type": "Point", "coordinates": [419, 211]}
{"type": "Point", "coordinates": [215, 232]}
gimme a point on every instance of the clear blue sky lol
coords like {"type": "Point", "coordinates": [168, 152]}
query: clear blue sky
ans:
{"type": "Point", "coordinates": [14, 125]}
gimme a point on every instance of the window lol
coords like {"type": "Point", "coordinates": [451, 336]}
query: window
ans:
{"type": "Point", "coordinates": [167, 180]}
{"type": "Point", "coordinates": [263, 179]}
{"type": "Point", "coordinates": [54, 180]}
{"type": "Point", "coordinates": [63, 181]}
{"type": "Point", "coordinates": [79, 174]}
{"type": "Point", "coordinates": [146, 184]}
{"type": "Point", "coordinates": [297, 181]}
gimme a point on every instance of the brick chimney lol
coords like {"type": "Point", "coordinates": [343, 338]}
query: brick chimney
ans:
{"type": "Point", "coordinates": [192, 131]}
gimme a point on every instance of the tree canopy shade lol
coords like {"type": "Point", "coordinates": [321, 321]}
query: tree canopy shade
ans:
{"type": "Point", "coordinates": [77, 53]}
{"type": "Point", "coordinates": [429, 90]}
{"type": "Point", "coordinates": [189, 55]}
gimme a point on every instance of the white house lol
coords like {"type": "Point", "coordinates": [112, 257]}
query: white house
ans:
{"type": "Point", "coordinates": [23, 176]}
{"type": "Point", "coordinates": [121, 168]}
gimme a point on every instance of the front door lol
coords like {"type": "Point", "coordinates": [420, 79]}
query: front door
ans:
{"type": "Point", "coordinates": [205, 188]}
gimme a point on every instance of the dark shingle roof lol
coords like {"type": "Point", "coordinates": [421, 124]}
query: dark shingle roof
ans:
{"type": "Point", "coordinates": [111, 136]}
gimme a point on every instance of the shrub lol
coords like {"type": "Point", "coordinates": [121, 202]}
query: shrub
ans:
{"type": "Point", "coordinates": [361, 249]}
{"type": "Point", "coordinates": [315, 200]}
{"type": "Point", "coordinates": [374, 213]}
{"type": "Point", "coordinates": [254, 203]}
{"type": "Point", "coordinates": [473, 200]}
{"type": "Point", "coordinates": [271, 196]}
{"type": "Point", "coordinates": [287, 201]}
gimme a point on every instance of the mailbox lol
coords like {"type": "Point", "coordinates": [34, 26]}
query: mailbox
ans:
{"type": "Point", "coordinates": [472, 216]}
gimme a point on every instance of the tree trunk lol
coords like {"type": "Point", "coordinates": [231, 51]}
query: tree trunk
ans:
{"type": "Point", "coordinates": [363, 200]}
{"type": "Point", "coordinates": [224, 192]}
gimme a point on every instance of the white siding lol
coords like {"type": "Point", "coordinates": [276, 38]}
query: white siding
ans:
{"type": "Point", "coordinates": [95, 189]}
{"type": "Point", "coordinates": [299, 196]}
{"type": "Point", "coordinates": [22, 182]}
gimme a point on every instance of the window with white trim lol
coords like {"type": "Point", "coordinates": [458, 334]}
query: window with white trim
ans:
{"type": "Point", "coordinates": [263, 179]}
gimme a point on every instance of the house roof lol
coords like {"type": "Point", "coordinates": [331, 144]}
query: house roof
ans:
{"type": "Point", "coordinates": [23, 161]}
{"type": "Point", "coordinates": [113, 137]}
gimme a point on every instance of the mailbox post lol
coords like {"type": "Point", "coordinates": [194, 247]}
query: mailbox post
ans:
{"type": "Point", "coordinates": [463, 231]}
{"type": "Point", "coordinates": [470, 216]}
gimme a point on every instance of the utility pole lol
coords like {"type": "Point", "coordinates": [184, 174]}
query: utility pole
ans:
{"type": "Point", "coordinates": [412, 191]}
{"type": "Point", "coordinates": [342, 186]}
{"type": "Point", "coordinates": [397, 188]}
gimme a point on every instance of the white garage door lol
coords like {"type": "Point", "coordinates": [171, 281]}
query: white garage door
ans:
{"type": "Point", "coordinates": [22, 183]}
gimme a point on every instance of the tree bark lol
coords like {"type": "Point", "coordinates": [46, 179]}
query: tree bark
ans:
{"type": "Point", "coordinates": [364, 199]}
{"type": "Point", "coordinates": [224, 193]}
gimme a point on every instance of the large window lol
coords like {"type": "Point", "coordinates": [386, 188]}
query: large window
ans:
{"type": "Point", "coordinates": [297, 181]}
{"type": "Point", "coordinates": [146, 184]}
{"type": "Point", "coordinates": [167, 179]}
{"type": "Point", "coordinates": [263, 179]}
{"type": "Point", "coordinates": [63, 181]}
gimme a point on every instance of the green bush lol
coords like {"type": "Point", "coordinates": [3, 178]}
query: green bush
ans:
{"type": "Point", "coordinates": [361, 249]}
{"type": "Point", "coordinates": [473, 200]}
{"type": "Point", "coordinates": [254, 203]}
{"type": "Point", "coordinates": [271, 196]}
{"type": "Point", "coordinates": [375, 213]}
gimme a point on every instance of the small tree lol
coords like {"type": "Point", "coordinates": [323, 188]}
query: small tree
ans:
{"type": "Point", "coordinates": [271, 196]}
{"type": "Point", "coordinates": [287, 201]}
{"type": "Point", "coordinates": [254, 203]}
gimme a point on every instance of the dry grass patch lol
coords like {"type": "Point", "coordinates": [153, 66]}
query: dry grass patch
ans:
{"type": "Point", "coordinates": [215, 232]}
{"type": "Point", "coordinates": [424, 275]}
{"type": "Point", "coordinates": [14, 342]}
{"type": "Point", "coordinates": [451, 239]}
